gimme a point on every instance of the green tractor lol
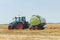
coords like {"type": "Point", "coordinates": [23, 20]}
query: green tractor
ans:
{"type": "Point", "coordinates": [19, 23]}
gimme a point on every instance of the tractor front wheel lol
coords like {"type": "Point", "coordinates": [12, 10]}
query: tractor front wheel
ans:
{"type": "Point", "coordinates": [9, 27]}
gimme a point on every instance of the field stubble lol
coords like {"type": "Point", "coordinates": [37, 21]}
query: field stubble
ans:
{"type": "Point", "coordinates": [51, 32]}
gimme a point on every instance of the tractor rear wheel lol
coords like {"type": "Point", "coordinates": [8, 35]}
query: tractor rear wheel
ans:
{"type": "Point", "coordinates": [20, 25]}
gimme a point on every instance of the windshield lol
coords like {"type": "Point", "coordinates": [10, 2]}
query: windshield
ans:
{"type": "Point", "coordinates": [18, 19]}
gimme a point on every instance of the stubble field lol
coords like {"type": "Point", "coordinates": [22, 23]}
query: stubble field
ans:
{"type": "Point", "coordinates": [51, 32]}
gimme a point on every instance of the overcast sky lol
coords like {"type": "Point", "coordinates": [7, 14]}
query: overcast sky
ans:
{"type": "Point", "coordinates": [48, 9]}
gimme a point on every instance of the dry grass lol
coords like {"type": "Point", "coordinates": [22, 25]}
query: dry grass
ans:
{"type": "Point", "coordinates": [51, 32]}
{"type": "Point", "coordinates": [52, 26]}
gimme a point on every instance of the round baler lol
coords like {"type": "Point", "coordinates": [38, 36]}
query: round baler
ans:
{"type": "Point", "coordinates": [37, 22]}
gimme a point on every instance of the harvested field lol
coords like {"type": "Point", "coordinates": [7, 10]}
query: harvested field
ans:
{"type": "Point", "coordinates": [51, 32]}
{"type": "Point", "coordinates": [52, 26]}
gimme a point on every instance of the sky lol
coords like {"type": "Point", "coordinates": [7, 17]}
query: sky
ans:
{"type": "Point", "coordinates": [48, 9]}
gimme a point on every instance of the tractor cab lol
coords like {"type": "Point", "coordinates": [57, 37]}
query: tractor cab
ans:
{"type": "Point", "coordinates": [20, 19]}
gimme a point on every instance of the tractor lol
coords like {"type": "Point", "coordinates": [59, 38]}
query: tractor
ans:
{"type": "Point", "coordinates": [19, 23]}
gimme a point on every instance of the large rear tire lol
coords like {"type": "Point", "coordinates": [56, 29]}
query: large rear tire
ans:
{"type": "Point", "coordinates": [20, 25]}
